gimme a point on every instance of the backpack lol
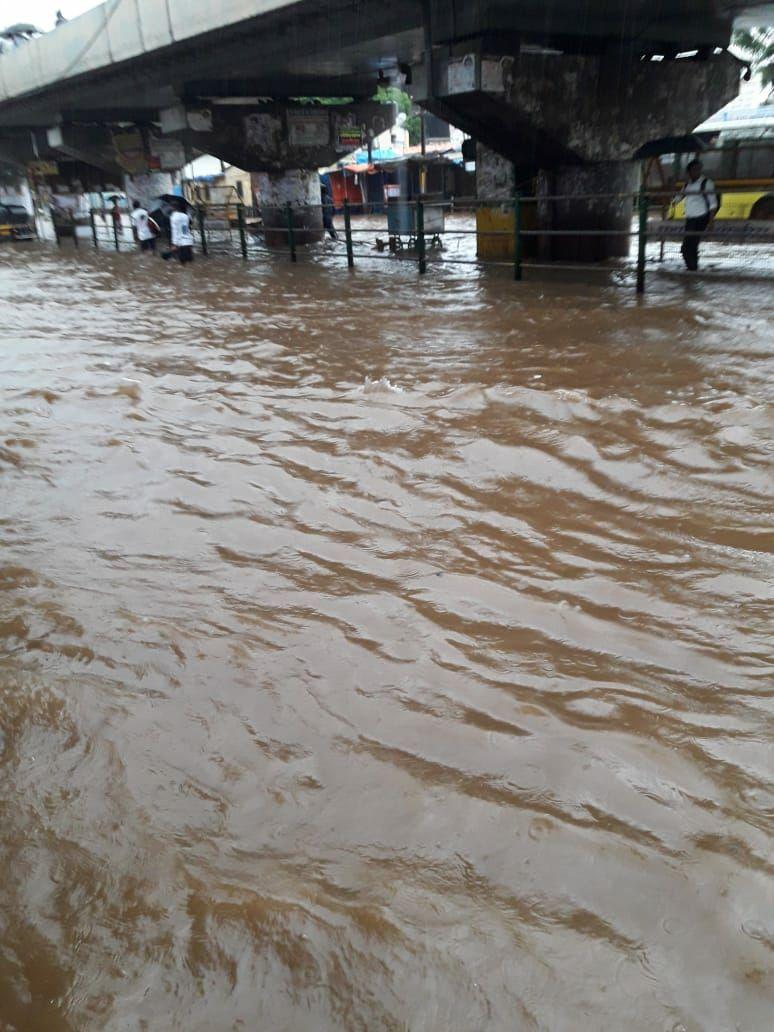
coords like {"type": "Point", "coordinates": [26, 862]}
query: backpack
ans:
{"type": "Point", "coordinates": [703, 192]}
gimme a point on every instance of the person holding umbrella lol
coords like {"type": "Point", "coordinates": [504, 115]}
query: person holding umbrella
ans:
{"type": "Point", "coordinates": [115, 213]}
{"type": "Point", "coordinates": [164, 207]}
{"type": "Point", "coordinates": [180, 233]}
{"type": "Point", "coordinates": [701, 207]}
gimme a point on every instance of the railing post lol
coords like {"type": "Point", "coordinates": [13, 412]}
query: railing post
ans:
{"type": "Point", "coordinates": [348, 234]}
{"type": "Point", "coordinates": [517, 236]}
{"type": "Point", "coordinates": [94, 236]}
{"type": "Point", "coordinates": [291, 232]}
{"type": "Point", "coordinates": [642, 238]}
{"type": "Point", "coordinates": [202, 230]}
{"type": "Point", "coordinates": [241, 224]}
{"type": "Point", "coordinates": [421, 237]}
{"type": "Point", "coordinates": [115, 234]}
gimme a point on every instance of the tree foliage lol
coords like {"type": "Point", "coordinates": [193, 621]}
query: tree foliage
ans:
{"type": "Point", "coordinates": [757, 46]}
{"type": "Point", "coordinates": [405, 105]}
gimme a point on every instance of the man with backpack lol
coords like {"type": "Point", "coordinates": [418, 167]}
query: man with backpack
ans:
{"type": "Point", "coordinates": [701, 205]}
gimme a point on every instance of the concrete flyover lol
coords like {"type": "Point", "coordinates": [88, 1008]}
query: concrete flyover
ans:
{"type": "Point", "coordinates": [543, 85]}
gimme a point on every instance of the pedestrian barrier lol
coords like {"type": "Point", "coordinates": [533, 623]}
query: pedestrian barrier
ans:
{"type": "Point", "coordinates": [105, 233]}
{"type": "Point", "coordinates": [516, 233]}
{"type": "Point", "coordinates": [728, 246]}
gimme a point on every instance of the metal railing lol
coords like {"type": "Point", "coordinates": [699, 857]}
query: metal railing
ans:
{"type": "Point", "coordinates": [417, 231]}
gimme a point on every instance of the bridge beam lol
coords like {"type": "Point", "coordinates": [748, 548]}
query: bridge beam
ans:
{"type": "Point", "coordinates": [275, 135]}
{"type": "Point", "coordinates": [124, 154]}
{"type": "Point", "coordinates": [92, 145]}
{"type": "Point", "coordinates": [282, 144]}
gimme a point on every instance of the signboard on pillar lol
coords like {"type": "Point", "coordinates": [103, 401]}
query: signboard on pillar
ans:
{"type": "Point", "coordinates": [167, 154]}
{"type": "Point", "coordinates": [129, 147]}
{"type": "Point", "coordinates": [174, 119]}
{"type": "Point", "coordinates": [177, 118]}
{"type": "Point", "coordinates": [349, 139]}
{"type": "Point", "coordinates": [493, 73]}
{"type": "Point", "coordinates": [200, 120]}
{"type": "Point", "coordinates": [348, 132]}
{"type": "Point", "coordinates": [263, 131]}
{"type": "Point", "coordinates": [461, 74]}
{"type": "Point", "coordinates": [308, 127]}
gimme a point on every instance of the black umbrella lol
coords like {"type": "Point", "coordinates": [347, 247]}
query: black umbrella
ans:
{"type": "Point", "coordinates": [170, 198]}
{"type": "Point", "coordinates": [688, 144]}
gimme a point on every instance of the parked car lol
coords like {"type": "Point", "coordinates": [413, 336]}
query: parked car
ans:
{"type": "Point", "coordinates": [16, 223]}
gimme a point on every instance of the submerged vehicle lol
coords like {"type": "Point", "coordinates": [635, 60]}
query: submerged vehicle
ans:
{"type": "Point", "coordinates": [16, 223]}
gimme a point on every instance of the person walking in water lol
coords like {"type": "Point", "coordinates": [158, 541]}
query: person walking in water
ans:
{"type": "Point", "coordinates": [144, 227]}
{"type": "Point", "coordinates": [180, 232]}
{"type": "Point", "coordinates": [115, 214]}
{"type": "Point", "coordinates": [701, 205]}
{"type": "Point", "coordinates": [327, 210]}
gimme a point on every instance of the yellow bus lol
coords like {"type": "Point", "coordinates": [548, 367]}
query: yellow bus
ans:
{"type": "Point", "coordinates": [743, 173]}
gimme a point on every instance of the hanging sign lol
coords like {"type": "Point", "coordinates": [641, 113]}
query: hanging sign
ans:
{"type": "Point", "coordinates": [349, 138]}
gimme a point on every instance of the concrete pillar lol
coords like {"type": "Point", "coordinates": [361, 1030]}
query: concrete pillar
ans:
{"type": "Point", "coordinates": [586, 204]}
{"type": "Point", "coordinates": [301, 187]}
{"type": "Point", "coordinates": [494, 222]}
{"type": "Point", "coordinates": [147, 187]}
{"type": "Point", "coordinates": [580, 116]}
{"type": "Point", "coordinates": [494, 175]}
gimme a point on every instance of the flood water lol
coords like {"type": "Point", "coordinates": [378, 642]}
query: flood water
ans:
{"type": "Point", "coordinates": [381, 654]}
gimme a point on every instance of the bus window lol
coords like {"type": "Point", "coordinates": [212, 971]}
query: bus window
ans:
{"type": "Point", "coordinates": [756, 162]}
{"type": "Point", "coordinates": [712, 163]}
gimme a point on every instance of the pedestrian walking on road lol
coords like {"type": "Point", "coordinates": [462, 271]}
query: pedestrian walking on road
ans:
{"type": "Point", "coordinates": [180, 232]}
{"type": "Point", "coordinates": [701, 205]}
{"type": "Point", "coordinates": [327, 210]}
{"type": "Point", "coordinates": [115, 214]}
{"type": "Point", "coordinates": [145, 228]}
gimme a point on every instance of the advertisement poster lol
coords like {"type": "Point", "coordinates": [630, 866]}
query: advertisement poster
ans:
{"type": "Point", "coordinates": [308, 128]}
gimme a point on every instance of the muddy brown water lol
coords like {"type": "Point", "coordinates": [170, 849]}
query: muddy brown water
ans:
{"type": "Point", "coordinates": [380, 654]}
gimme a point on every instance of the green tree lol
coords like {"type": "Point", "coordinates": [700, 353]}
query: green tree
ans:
{"type": "Point", "coordinates": [394, 95]}
{"type": "Point", "coordinates": [757, 46]}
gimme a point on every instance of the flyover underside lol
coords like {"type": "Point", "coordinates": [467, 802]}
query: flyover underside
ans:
{"type": "Point", "coordinates": [313, 48]}
{"type": "Point", "coordinates": [499, 126]}
{"type": "Point", "coordinates": [551, 109]}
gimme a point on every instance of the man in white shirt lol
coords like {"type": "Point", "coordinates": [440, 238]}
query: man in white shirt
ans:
{"type": "Point", "coordinates": [143, 227]}
{"type": "Point", "coordinates": [701, 205]}
{"type": "Point", "coordinates": [180, 232]}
